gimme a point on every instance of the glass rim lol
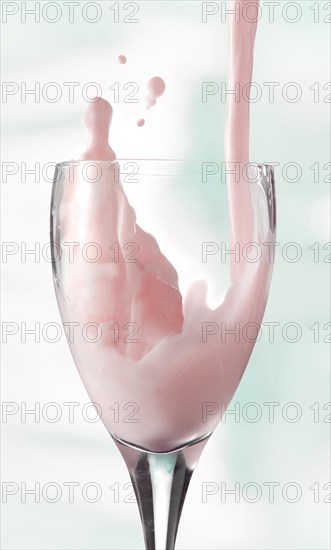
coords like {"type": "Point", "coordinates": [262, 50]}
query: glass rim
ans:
{"type": "Point", "coordinates": [186, 161]}
{"type": "Point", "coordinates": [170, 167]}
{"type": "Point", "coordinates": [132, 168]}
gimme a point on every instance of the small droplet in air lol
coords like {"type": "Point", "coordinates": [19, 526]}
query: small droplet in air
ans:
{"type": "Point", "coordinates": [155, 88]}
{"type": "Point", "coordinates": [122, 59]}
{"type": "Point", "coordinates": [140, 122]}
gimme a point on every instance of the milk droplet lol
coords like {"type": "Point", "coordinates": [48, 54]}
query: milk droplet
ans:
{"type": "Point", "coordinates": [155, 88]}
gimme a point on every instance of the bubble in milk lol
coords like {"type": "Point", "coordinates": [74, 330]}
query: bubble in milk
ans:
{"type": "Point", "coordinates": [155, 88]}
{"type": "Point", "coordinates": [121, 59]}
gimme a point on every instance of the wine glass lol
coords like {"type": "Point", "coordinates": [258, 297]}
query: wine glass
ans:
{"type": "Point", "coordinates": [164, 272]}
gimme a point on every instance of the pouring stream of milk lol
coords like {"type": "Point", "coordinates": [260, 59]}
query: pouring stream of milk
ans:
{"type": "Point", "coordinates": [241, 52]}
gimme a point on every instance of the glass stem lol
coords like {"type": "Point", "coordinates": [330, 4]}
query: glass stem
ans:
{"type": "Point", "coordinates": [160, 481]}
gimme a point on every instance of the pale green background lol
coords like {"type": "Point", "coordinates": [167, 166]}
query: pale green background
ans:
{"type": "Point", "coordinates": [170, 39]}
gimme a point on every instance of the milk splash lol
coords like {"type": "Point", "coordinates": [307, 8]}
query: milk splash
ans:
{"type": "Point", "coordinates": [168, 372]}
